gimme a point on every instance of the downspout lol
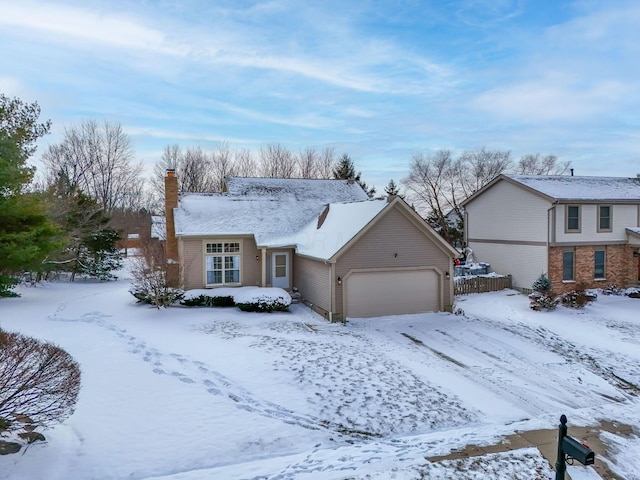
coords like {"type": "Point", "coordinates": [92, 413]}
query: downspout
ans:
{"type": "Point", "coordinates": [551, 228]}
{"type": "Point", "coordinates": [332, 290]}
{"type": "Point", "coordinates": [263, 267]}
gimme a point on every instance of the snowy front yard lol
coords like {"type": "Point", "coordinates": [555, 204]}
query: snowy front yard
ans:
{"type": "Point", "coordinates": [204, 393]}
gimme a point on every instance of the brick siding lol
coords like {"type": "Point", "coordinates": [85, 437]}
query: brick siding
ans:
{"type": "Point", "coordinates": [621, 267]}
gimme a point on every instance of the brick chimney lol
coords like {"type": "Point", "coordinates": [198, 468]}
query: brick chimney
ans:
{"type": "Point", "coordinates": [171, 246]}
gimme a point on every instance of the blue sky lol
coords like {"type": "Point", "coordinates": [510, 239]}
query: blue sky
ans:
{"type": "Point", "coordinates": [380, 80]}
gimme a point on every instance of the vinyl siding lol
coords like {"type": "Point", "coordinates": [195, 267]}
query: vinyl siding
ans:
{"type": "Point", "coordinates": [507, 212]}
{"type": "Point", "coordinates": [394, 233]}
{"type": "Point", "coordinates": [524, 262]}
{"type": "Point", "coordinates": [192, 254]}
{"type": "Point", "coordinates": [312, 278]}
{"type": "Point", "coordinates": [622, 216]}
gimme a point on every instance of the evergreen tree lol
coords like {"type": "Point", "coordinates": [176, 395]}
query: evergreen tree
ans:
{"type": "Point", "coordinates": [345, 169]}
{"type": "Point", "coordinates": [542, 284]}
{"type": "Point", "coordinates": [90, 246]}
{"type": "Point", "coordinates": [26, 234]}
{"type": "Point", "coordinates": [392, 189]}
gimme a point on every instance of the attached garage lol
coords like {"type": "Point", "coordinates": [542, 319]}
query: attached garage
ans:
{"type": "Point", "coordinates": [374, 293]}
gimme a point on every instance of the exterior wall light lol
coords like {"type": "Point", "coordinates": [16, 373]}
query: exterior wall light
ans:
{"type": "Point", "coordinates": [339, 280]}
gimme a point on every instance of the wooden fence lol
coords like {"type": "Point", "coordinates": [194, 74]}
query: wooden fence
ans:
{"type": "Point", "coordinates": [467, 285]}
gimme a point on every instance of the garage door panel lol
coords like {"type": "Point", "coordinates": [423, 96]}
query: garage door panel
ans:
{"type": "Point", "coordinates": [372, 294]}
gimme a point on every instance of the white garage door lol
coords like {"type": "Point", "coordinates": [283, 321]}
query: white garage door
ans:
{"type": "Point", "coordinates": [373, 294]}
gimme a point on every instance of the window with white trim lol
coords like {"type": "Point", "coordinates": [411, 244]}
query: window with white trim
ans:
{"type": "Point", "coordinates": [222, 263]}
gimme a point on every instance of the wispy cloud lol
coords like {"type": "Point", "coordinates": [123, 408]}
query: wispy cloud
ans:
{"type": "Point", "coordinates": [82, 24]}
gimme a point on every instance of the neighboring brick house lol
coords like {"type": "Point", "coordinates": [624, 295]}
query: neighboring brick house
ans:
{"type": "Point", "coordinates": [347, 255]}
{"type": "Point", "coordinates": [577, 230]}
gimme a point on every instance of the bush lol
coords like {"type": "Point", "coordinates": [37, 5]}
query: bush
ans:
{"type": "Point", "coordinates": [577, 298]}
{"type": "Point", "coordinates": [542, 284]}
{"type": "Point", "coordinates": [207, 301]}
{"type": "Point", "coordinates": [612, 290]}
{"type": "Point", "coordinates": [632, 292]}
{"type": "Point", "coordinates": [150, 277]}
{"type": "Point", "coordinates": [543, 301]}
{"type": "Point", "coordinates": [39, 386]}
{"type": "Point", "coordinates": [269, 306]}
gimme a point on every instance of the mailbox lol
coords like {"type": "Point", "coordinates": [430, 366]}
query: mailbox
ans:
{"type": "Point", "coordinates": [578, 451]}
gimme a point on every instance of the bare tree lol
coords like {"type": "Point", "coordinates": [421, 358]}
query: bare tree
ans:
{"type": "Point", "coordinates": [195, 171]}
{"type": "Point", "coordinates": [97, 159]}
{"type": "Point", "coordinates": [245, 163]}
{"type": "Point", "coordinates": [307, 161]}
{"type": "Point", "coordinates": [150, 277]}
{"type": "Point", "coordinates": [537, 164]}
{"type": "Point", "coordinates": [326, 162]}
{"type": "Point", "coordinates": [276, 161]}
{"type": "Point", "coordinates": [475, 168]}
{"type": "Point", "coordinates": [223, 166]}
{"type": "Point", "coordinates": [39, 382]}
{"type": "Point", "coordinates": [429, 188]}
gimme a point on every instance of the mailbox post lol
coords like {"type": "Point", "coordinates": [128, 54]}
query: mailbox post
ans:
{"type": "Point", "coordinates": [570, 447]}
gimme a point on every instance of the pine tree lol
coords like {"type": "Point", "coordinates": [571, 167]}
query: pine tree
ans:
{"type": "Point", "coordinates": [346, 170]}
{"type": "Point", "coordinates": [392, 189]}
{"type": "Point", "coordinates": [542, 284]}
{"type": "Point", "coordinates": [26, 234]}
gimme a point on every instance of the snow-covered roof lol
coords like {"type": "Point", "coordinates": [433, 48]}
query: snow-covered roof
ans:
{"type": "Point", "coordinates": [564, 187]}
{"type": "Point", "coordinates": [270, 209]}
{"type": "Point", "coordinates": [301, 189]}
{"type": "Point", "coordinates": [342, 222]}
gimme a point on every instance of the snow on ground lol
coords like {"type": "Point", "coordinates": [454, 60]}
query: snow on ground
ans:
{"type": "Point", "coordinates": [203, 393]}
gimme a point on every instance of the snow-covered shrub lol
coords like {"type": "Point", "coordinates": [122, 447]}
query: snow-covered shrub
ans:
{"type": "Point", "coordinates": [543, 301]}
{"type": "Point", "coordinates": [632, 292]}
{"type": "Point", "coordinates": [612, 290]}
{"type": "Point", "coordinates": [151, 287]}
{"type": "Point", "coordinates": [542, 284]}
{"type": "Point", "coordinates": [208, 301]}
{"type": "Point", "coordinates": [39, 386]}
{"type": "Point", "coordinates": [263, 300]}
{"type": "Point", "coordinates": [577, 298]}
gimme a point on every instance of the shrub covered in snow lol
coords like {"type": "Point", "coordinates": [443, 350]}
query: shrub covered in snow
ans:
{"type": "Point", "coordinates": [543, 301]}
{"type": "Point", "coordinates": [577, 298]}
{"type": "Point", "coordinates": [632, 292]}
{"type": "Point", "coordinates": [612, 289]}
{"type": "Point", "coordinates": [263, 300]}
{"type": "Point", "coordinates": [203, 300]}
{"type": "Point", "coordinates": [151, 287]}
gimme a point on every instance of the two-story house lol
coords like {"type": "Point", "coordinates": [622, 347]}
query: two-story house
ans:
{"type": "Point", "coordinates": [577, 230]}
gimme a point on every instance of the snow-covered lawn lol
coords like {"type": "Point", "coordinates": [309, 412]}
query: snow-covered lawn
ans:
{"type": "Point", "coordinates": [208, 393]}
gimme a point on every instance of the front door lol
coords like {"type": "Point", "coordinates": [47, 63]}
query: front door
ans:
{"type": "Point", "coordinates": [280, 269]}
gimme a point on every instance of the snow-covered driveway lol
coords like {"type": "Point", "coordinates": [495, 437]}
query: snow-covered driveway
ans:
{"type": "Point", "coordinates": [218, 393]}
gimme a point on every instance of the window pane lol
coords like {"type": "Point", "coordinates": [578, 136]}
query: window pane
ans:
{"type": "Point", "coordinates": [231, 247]}
{"type": "Point", "coordinates": [567, 265]}
{"type": "Point", "coordinates": [598, 270]}
{"type": "Point", "coordinates": [605, 218]}
{"type": "Point", "coordinates": [214, 247]}
{"type": "Point", "coordinates": [573, 218]}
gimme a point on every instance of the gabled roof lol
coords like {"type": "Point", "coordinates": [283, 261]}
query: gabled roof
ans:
{"type": "Point", "coordinates": [325, 236]}
{"type": "Point", "coordinates": [565, 188]}
{"type": "Point", "coordinates": [267, 208]}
